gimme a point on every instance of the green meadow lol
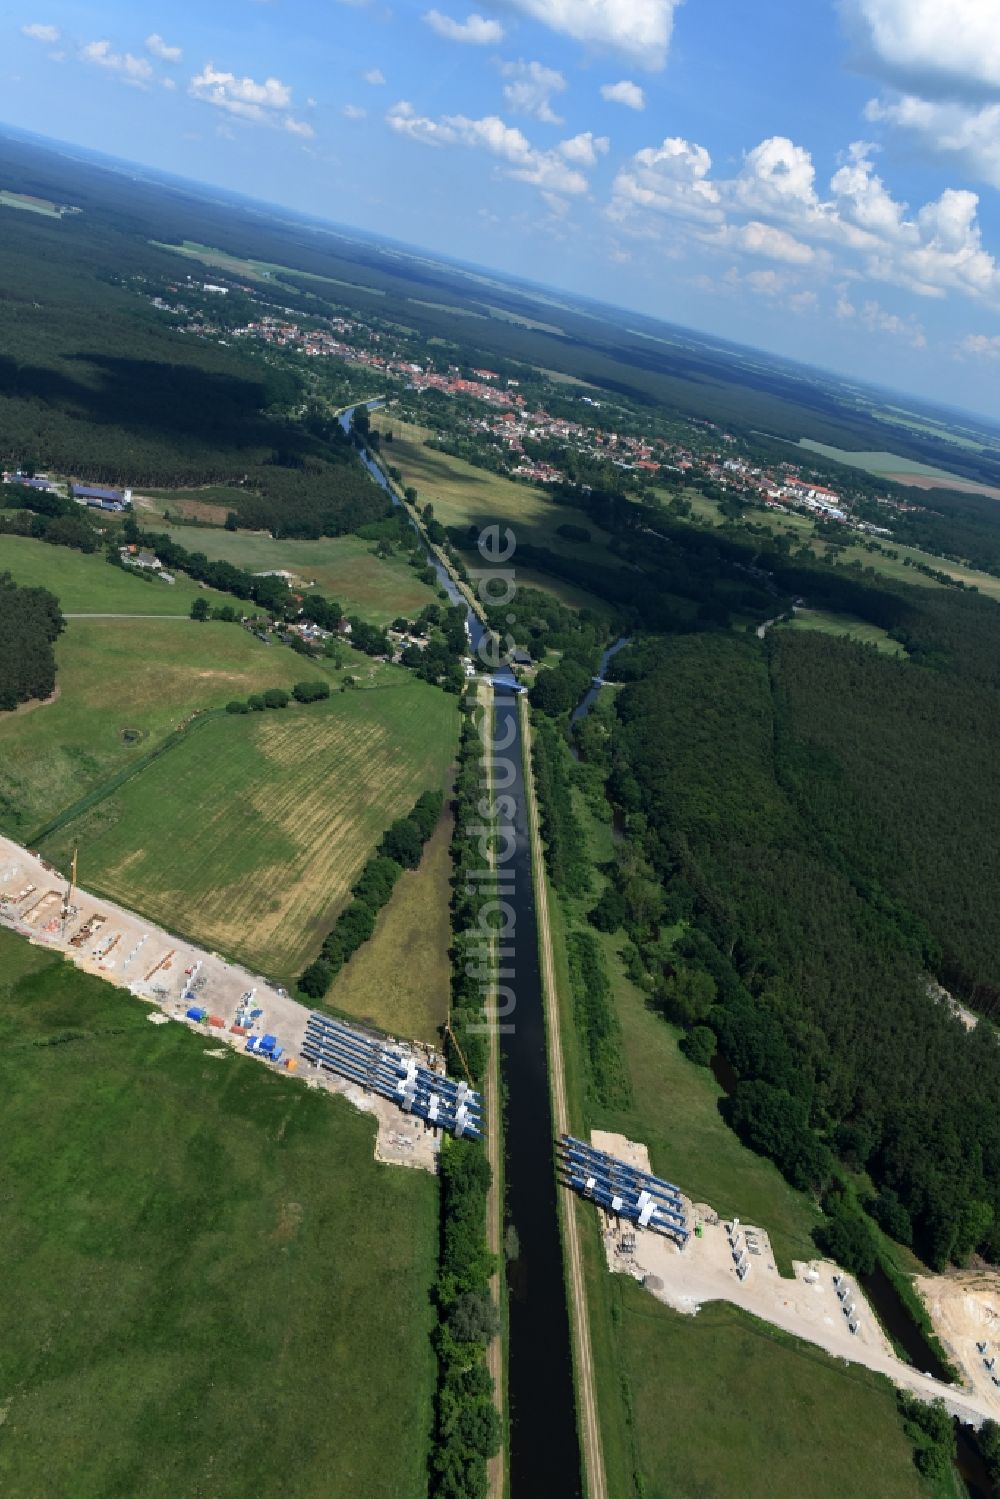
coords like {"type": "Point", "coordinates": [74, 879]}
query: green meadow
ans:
{"type": "Point", "coordinates": [210, 1285]}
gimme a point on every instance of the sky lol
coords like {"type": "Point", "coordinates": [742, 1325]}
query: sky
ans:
{"type": "Point", "coordinates": [816, 179]}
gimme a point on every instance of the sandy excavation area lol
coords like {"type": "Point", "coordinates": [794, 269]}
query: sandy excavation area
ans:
{"type": "Point", "coordinates": [813, 1305]}
{"type": "Point", "coordinates": [965, 1310]}
{"type": "Point", "coordinates": [131, 952]}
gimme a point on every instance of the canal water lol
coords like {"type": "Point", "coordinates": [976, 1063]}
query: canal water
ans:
{"type": "Point", "coordinates": [544, 1448]}
{"type": "Point", "coordinates": [544, 1454]}
{"type": "Point", "coordinates": [587, 702]}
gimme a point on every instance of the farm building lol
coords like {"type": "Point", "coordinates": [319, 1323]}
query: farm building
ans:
{"type": "Point", "coordinates": [37, 481]}
{"type": "Point", "coordinates": [100, 498]}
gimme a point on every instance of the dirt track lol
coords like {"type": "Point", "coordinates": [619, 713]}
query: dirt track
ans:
{"type": "Point", "coordinates": [590, 1428]}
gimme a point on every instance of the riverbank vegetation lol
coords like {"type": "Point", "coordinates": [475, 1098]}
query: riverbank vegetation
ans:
{"type": "Point", "coordinates": [468, 1427]}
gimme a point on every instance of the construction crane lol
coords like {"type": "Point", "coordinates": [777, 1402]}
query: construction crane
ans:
{"type": "Point", "coordinates": [68, 897]}
{"type": "Point", "coordinates": [461, 1055]}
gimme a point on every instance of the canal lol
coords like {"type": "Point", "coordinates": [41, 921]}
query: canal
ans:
{"type": "Point", "coordinates": [544, 1449]}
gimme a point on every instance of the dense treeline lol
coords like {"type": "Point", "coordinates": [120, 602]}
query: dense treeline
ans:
{"type": "Point", "coordinates": [467, 1428]}
{"type": "Point", "coordinates": [47, 517]}
{"type": "Point", "coordinates": [808, 967]}
{"type": "Point", "coordinates": [30, 622]}
{"type": "Point", "coordinates": [401, 848]}
{"type": "Point", "coordinates": [277, 697]}
{"type": "Point", "coordinates": [465, 1044]}
{"type": "Point", "coordinates": [269, 593]}
{"type": "Point", "coordinates": [565, 848]}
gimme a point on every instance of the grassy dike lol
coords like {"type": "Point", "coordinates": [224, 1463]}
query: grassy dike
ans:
{"type": "Point", "coordinates": [719, 1403]}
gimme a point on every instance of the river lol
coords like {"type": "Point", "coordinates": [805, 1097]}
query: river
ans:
{"type": "Point", "coordinates": [544, 1449]}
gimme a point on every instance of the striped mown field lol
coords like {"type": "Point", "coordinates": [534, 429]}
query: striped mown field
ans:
{"type": "Point", "coordinates": [247, 836]}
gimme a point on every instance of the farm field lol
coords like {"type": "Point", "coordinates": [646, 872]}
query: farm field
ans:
{"type": "Point", "coordinates": [344, 568]}
{"type": "Point", "coordinates": [399, 981]}
{"type": "Point", "coordinates": [210, 503]}
{"type": "Point", "coordinates": [200, 1258]}
{"type": "Point", "coordinates": [463, 495]}
{"type": "Point", "coordinates": [802, 530]}
{"type": "Point", "coordinates": [724, 1405]}
{"type": "Point", "coordinates": [123, 685]}
{"type": "Point", "coordinates": [844, 624]}
{"type": "Point", "coordinates": [84, 583]}
{"type": "Point", "coordinates": [29, 204]}
{"type": "Point", "coordinates": [247, 835]}
{"type": "Point", "coordinates": [889, 465]}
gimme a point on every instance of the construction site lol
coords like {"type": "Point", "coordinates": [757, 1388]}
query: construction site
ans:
{"type": "Point", "coordinates": [402, 1084]}
{"type": "Point", "coordinates": [685, 1255]}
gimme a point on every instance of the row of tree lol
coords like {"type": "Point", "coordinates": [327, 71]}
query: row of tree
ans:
{"type": "Point", "coordinates": [277, 697]}
{"type": "Point", "coordinates": [467, 1427]}
{"type": "Point", "coordinates": [30, 622]}
{"type": "Point", "coordinates": [401, 848]}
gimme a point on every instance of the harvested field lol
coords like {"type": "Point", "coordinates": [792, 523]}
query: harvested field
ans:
{"type": "Point", "coordinates": [248, 835]}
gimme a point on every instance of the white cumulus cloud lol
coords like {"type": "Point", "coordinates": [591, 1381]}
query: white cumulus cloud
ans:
{"type": "Point", "coordinates": [547, 170]}
{"type": "Point", "coordinates": [374, 76]}
{"type": "Point", "coordinates": [774, 207]}
{"type": "Point", "coordinates": [264, 103]}
{"type": "Point", "coordinates": [159, 48]}
{"type": "Point", "coordinates": [625, 92]}
{"type": "Point", "coordinates": [671, 178]}
{"type": "Point", "coordinates": [530, 88]}
{"type": "Point", "coordinates": [980, 345]}
{"type": "Point", "coordinates": [475, 29]}
{"type": "Point", "coordinates": [353, 112]}
{"type": "Point", "coordinates": [39, 32]}
{"type": "Point", "coordinates": [755, 238]}
{"type": "Point", "coordinates": [132, 69]}
{"type": "Point", "coordinates": [931, 47]}
{"type": "Point", "coordinates": [969, 134]}
{"type": "Point", "coordinates": [585, 148]}
{"type": "Point", "coordinates": [942, 63]}
{"type": "Point", "coordinates": [638, 29]}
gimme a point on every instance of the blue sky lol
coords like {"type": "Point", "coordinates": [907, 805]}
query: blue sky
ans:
{"type": "Point", "coordinates": [816, 179]}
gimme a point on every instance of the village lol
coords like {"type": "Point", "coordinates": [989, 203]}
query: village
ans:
{"type": "Point", "coordinates": [532, 442]}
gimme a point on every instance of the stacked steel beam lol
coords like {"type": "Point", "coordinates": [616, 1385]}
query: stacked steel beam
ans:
{"type": "Point", "coordinates": [381, 1068]}
{"type": "Point", "coordinates": [623, 1189]}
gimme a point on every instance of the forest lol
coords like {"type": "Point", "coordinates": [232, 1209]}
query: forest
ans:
{"type": "Point", "coordinates": [811, 870]}
{"type": "Point", "coordinates": [30, 623]}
